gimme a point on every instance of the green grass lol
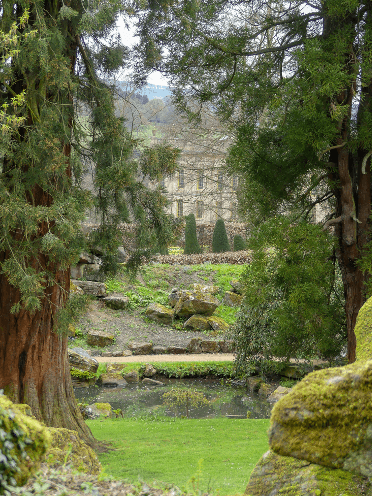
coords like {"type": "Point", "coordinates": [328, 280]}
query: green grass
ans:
{"type": "Point", "coordinates": [206, 455]}
{"type": "Point", "coordinates": [222, 274]}
{"type": "Point", "coordinates": [228, 314]}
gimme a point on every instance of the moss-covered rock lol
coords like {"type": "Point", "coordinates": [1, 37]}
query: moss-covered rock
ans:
{"type": "Point", "coordinates": [159, 313]}
{"type": "Point", "coordinates": [23, 443]}
{"type": "Point", "coordinates": [195, 302]}
{"type": "Point", "coordinates": [197, 323]}
{"type": "Point", "coordinates": [113, 379]}
{"type": "Point", "coordinates": [287, 476]}
{"type": "Point", "coordinates": [218, 324]}
{"type": "Point", "coordinates": [100, 338]}
{"type": "Point", "coordinates": [68, 449]}
{"type": "Point", "coordinates": [363, 332]}
{"type": "Point", "coordinates": [327, 419]}
{"type": "Point", "coordinates": [232, 299]}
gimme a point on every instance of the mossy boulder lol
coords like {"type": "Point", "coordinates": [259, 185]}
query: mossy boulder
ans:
{"type": "Point", "coordinates": [68, 448]}
{"type": "Point", "coordinates": [232, 299]}
{"type": "Point", "coordinates": [100, 338]}
{"type": "Point", "coordinates": [197, 323]}
{"type": "Point", "coordinates": [23, 443]}
{"type": "Point", "coordinates": [363, 332]}
{"type": "Point", "coordinates": [132, 377]}
{"type": "Point", "coordinates": [81, 360]}
{"type": "Point", "coordinates": [327, 419]}
{"type": "Point", "coordinates": [113, 379]}
{"type": "Point", "coordinates": [195, 302]}
{"type": "Point", "coordinates": [287, 476]}
{"type": "Point", "coordinates": [218, 324]}
{"type": "Point", "coordinates": [159, 313]}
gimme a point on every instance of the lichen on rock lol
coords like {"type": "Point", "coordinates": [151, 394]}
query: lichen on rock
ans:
{"type": "Point", "coordinates": [327, 419]}
{"type": "Point", "coordinates": [67, 448]}
{"type": "Point", "coordinates": [363, 332]}
{"type": "Point", "coordinates": [287, 476]}
{"type": "Point", "coordinates": [23, 442]}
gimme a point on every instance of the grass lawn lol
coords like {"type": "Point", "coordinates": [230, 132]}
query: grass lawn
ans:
{"type": "Point", "coordinates": [199, 455]}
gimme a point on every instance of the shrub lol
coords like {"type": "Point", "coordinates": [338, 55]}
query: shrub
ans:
{"type": "Point", "coordinates": [292, 305]}
{"type": "Point", "coordinates": [239, 243]}
{"type": "Point", "coordinates": [191, 241]}
{"type": "Point", "coordinates": [220, 242]}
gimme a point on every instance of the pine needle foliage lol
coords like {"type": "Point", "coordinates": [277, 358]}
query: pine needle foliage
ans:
{"type": "Point", "coordinates": [57, 116]}
{"type": "Point", "coordinates": [191, 240]}
{"type": "Point", "coordinates": [293, 80]}
{"type": "Point", "coordinates": [220, 241]}
{"type": "Point", "coordinates": [239, 243]}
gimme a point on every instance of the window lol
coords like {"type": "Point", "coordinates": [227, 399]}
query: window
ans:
{"type": "Point", "coordinates": [235, 182]}
{"type": "Point", "coordinates": [181, 178]}
{"type": "Point", "coordinates": [179, 208]}
{"type": "Point", "coordinates": [200, 180]}
{"type": "Point", "coordinates": [220, 181]}
{"type": "Point", "coordinates": [199, 209]}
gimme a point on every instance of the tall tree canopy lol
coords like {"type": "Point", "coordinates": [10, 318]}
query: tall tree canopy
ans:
{"type": "Point", "coordinates": [294, 78]}
{"type": "Point", "coordinates": [56, 114]}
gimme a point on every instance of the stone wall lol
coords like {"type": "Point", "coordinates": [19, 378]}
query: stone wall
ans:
{"type": "Point", "coordinates": [204, 233]}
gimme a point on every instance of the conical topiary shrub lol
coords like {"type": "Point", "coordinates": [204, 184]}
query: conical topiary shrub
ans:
{"type": "Point", "coordinates": [220, 242]}
{"type": "Point", "coordinates": [191, 241]}
{"type": "Point", "coordinates": [239, 243]}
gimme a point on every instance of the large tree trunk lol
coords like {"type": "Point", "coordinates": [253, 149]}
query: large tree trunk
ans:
{"type": "Point", "coordinates": [34, 368]}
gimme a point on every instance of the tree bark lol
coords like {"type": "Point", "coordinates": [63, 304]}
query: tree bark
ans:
{"type": "Point", "coordinates": [34, 367]}
{"type": "Point", "coordinates": [351, 188]}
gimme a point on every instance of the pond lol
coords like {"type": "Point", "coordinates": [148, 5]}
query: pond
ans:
{"type": "Point", "coordinates": [224, 399]}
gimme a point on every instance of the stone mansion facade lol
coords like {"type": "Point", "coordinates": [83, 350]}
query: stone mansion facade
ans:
{"type": "Point", "coordinates": [201, 185]}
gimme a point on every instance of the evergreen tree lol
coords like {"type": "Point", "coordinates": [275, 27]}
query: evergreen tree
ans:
{"type": "Point", "coordinates": [292, 306]}
{"type": "Point", "coordinates": [56, 115]}
{"type": "Point", "coordinates": [220, 242]}
{"type": "Point", "coordinates": [294, 81]}
{"type": "Point", "coordinates": [191, 240]}
{"type": "Point", "coordinates": [239, 243]}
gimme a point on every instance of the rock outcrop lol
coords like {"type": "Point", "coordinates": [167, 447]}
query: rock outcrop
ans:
{"type": "Point", "coordinates": [232, 299]}
{"type": "Point", "coordinates": [197, 323]}
{"type": "Point", "coordinates": [81, 360]}
{"type": "Point", "coordinates": [195, 302]}
{"type": "Point", "coordinates": [90, 287]}
{"type": "Point", "coordinates": [327, 419]}
{"type": "Point", "coordinates": [287, 476]}
{"type": "Point", "coordinates": [100, 338]}
{"type": "Point", "coordinates": [23, 443]}
{"type": "Point", "coordinates": [159, 313]}
{"type": "Point", "coordinates": [116, 302]}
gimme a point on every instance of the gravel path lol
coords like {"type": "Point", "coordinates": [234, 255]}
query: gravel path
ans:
{"type": "Point", "coordinates": [200, 357]}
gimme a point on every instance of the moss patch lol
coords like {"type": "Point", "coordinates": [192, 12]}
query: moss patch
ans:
{"type": "Point", "coordinates": [363, 332]}
{"type": "Point", "coordinates": [327, 419]}
{"type": "Point", "coordinates": [68, 449]}
{"type": "Point", "coordinates": [287, 476]}
{"type": "Point", "coordinates": [23, 442]}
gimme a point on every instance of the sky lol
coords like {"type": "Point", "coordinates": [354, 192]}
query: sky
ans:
{"type": "Point", "coordinates": [129, 39]}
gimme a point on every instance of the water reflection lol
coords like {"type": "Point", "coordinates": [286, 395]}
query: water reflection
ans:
{"type": "Point", "coordinates": [225, 399]}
